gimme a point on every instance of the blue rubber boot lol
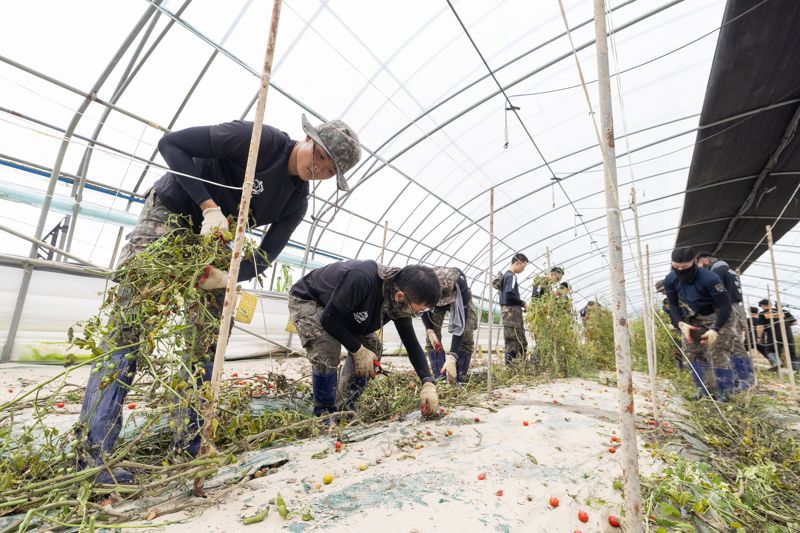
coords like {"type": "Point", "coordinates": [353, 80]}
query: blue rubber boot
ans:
{"type": "Point", "coordinates": [699, 372]}
{"type": "Point", "coordinates": [324, 390]}
{"type": "Point", "coordinates": [725, 385]}
{"type": "Point", "coordinates": [101, 412]}
{"type": "Point", "coordinates": [437, 362]}
{"type": "Point", "coordinates": [744, 371]}
{"type": "Point", "coordinates": [462, 366]}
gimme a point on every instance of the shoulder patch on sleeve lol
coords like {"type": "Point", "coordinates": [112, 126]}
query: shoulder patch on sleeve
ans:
{"type": "Point", "coordinates": [719, 287]}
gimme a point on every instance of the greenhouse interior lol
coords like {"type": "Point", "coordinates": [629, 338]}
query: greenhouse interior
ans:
{"type": "Point", "coordinates": [579, 215]}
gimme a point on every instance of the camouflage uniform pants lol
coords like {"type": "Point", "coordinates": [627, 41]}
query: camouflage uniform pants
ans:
{"type": "Point", "coordinates": [514, 331]}
{"type": "Point", "coordinates": [321, 348]}
{"type": "Point", "coordinates": [717, 354]}
{"type": "Point", "coordinates": [437, 315]}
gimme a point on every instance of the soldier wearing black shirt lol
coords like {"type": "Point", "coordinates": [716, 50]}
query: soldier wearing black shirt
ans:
{"type": "Point", "coordinates": [515, 343]}
{"type": "Point", "coordinates": [207, 166]}
{"type": "Point", "coordinates": [769, 332]}
{"type": "Point", "coordinates": [344, 304]}
{"type": "Point", "coordinates": [709, 333]}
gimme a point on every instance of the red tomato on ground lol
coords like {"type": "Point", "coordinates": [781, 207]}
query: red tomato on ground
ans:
{"type": "Point", "coordinates": [553, 501]}
{"type": "Point", "coordinates": [583, 516]}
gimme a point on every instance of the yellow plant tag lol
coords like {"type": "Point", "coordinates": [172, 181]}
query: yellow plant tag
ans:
{"type": "Point", "coordinates": [290, 326]}
{"type": "Point", "coordinates": [246, 308]}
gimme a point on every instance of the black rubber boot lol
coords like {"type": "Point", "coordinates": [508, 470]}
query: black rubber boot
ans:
{"type": "Point", "coordinates": [354, 390]}
{"type": "Point", "coordinates": [462, 366]}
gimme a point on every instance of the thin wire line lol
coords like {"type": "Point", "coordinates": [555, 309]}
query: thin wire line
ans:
{"type": "Point", "coordinates": [649, 60]}
{"type": "Point", "coordinates": [522, 123]}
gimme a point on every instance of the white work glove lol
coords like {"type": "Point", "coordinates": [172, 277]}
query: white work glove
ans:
{"type": "Point", "coordinates": [363, 359]}
{"type": "Point", "coordinates": [450, 367]}
{"type": "Point", "coordinates": [686, 329]}
{"type": "Point", "coordinates": [434, 340]}
{"type": "Point", "coordinates": [213, 221]}
{"type": "Point", "coordinates": [709, 337]}
{"type": "Point", "coordinates": [212, 278]}
{"type": "Point", "coordinates": [428, 399]}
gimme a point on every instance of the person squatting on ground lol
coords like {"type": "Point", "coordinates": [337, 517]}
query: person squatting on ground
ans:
{"type": "Point", "coordinates": [709, 333]}
{"type": "Point", "coordinates": [217, 154]}
{"type": "Point", "coordinates": [457, 299]}
{"type": "Point", "coordinates": [512, 308]}
{"type": "Point", "coordinates": [740, 359]}
{"type": "Point", "coordinates": [769, 332]}
{"type": "Point", "coordinates": [344, 304]}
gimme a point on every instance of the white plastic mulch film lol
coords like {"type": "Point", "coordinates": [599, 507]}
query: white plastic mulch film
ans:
{"type": "Point", "coordinates": [438, 130]}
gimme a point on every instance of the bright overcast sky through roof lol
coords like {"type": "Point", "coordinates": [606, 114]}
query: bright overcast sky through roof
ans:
{"type": "Point", "coordinates": [407, 78]}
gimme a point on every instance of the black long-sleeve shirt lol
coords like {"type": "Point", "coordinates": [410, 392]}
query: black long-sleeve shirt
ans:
{"type": "Point", "coordinates": [705, 295]}
{"type": "Point", "coordinates": [218, 154]}
{"type": "Point", "coordinates": [351, 294]}
{"type": "Point", "coordinates": [509, 290]}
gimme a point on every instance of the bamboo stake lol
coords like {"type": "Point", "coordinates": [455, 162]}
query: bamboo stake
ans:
{"type": "Point", "coordinates": [209, 415]}
{"type": "Point", "coordinates": [746, 315]}
{"type": "Point", "coordinates": [751, 334]}
{"type": "Point", "coordinates": [652, 304]}
{"type": "Point", "coordinates": [547, 255]}
{"type": "Point", "coordinates": [772, 332]}
{"type": "Point", "coordinates": [648, 339]}
{"type": "Point", "coordinates": [622, 349]}
{"type": "Point", "coordinates": [385, 231]}
{"type": "Point", "coordinates": [782, 321]}
{"type": "Point", "coordinates": [491, 302]}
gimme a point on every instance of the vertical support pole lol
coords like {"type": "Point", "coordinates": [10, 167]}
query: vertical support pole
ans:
{"type": "Point", "coordinates": [751, 334]}
{"type": "Point", "coordinates": [547, 255]}
{"type": "Point", "coordinates": [648, 338]}
{"type": "Point", "coordinates": [385, 231]}
{"type": "Point", "coordinates": [781, 321]}
{"type": "Point", "coordinates": [772, 332]}
{"type": "Point", "coordinates": [487, 282]}
{"type": "Point", "coordinates": [651, 302]}
{"type": "Point", "coordinates": [209, 416]}
{"type": "Point", "coordinates": [491, 301]}
{"type": "Point", "coordinates": [622, 349]}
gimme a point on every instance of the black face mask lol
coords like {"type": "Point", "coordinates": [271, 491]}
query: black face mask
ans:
{"type": "Point", "coordinates": [686, 275]}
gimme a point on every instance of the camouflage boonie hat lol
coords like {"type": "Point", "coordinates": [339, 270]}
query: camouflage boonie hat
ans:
{"type": "Point", "coordinates": [341, 143]}
{"type": "Point", "coordinates": [448, 277]}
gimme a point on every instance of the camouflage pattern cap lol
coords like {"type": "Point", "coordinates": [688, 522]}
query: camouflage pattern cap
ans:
{"type": "Point", "coordinates": [341, 143]}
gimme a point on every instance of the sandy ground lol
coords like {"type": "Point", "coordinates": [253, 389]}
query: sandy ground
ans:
{"type": "Point", "coordinates": [418, 475]}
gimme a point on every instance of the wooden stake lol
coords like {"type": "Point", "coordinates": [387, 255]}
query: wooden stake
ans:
{"type": "Point", "coordinates": [653, 309]}
{"type": "Point", "coordinates": [787, 359]}
{"type": "Point", "coordinates": [491, 274]}
{"type": "Point", "coordinates": [630, 460]}
{"type": "Point", "coordinates": [751, 334]}
{"type": "Point", "coordinates": [210, 411]}
{"type": "Point", "coordinates": [385, 231]}
{"type": "Point", "coordinates": [772, 332]}
{"type": "Point", "coordinates": [648, 338]}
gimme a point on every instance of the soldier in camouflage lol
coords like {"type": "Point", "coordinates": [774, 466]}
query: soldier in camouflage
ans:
{"type": "Point", "coordinates": [344, 304]}
{"type": "Point", "coordinates": [203, 187]}
{"type": "Point", "coordinates": [456, 298]}
{"type": "Point", "coordinates": [710, 332]}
